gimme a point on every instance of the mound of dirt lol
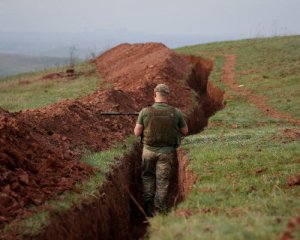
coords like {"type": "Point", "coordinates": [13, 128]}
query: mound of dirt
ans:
{"type": "Point", "coordinates": [138, 68]}
{"type": "Point", "coordinates": [39, 148]}
{"type": "Point", "coordinates": [32, 169]}
{"type": "Point", "coordinates": [38, 153]}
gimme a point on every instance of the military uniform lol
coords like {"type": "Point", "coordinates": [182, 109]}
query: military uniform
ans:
{"type": "Point", "coordinates": [161, 123]}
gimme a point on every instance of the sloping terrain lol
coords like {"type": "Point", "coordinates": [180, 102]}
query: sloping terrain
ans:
{"type": "Point", "coordinates": [246, 161]}
{"type": "Point", "coordinates": [40, 148]}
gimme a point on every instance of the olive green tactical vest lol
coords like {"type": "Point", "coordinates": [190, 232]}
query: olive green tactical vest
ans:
{"type": "Point", "coordinates": [161, 130]}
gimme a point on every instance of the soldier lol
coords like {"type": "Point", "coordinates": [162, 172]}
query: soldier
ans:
{"type": "Point", "coordinates": [160, 126]}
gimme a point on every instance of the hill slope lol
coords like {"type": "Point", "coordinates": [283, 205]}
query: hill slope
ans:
{"type": "Point", "coordinates": [245, 165]}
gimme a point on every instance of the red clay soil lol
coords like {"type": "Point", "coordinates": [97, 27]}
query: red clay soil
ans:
{"type": "Point", "coordinates": [139, 68]}
{"type": "Point", "coordinates": [293, 226]}
{"type": "Point", "coordinates": [186, 178]}
{"type": "Point", "coordinates": [40, 148]}
{"type": "Point", "coordinates": [33, 167]}
{"type": "Point", "coordinates": [258, 100]}
{"type": "Point", "coordinates": [294, 180]}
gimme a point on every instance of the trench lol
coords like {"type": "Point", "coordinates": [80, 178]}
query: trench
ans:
{"type": "Point", "coordinates": [117, 213]}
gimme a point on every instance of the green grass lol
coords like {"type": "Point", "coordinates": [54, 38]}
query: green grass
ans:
{"type": "Point", "coordinates": [90, 189]}
{"type": "Point", "coordinates": [242, 160]}
{"type": "Point", "coordinates": [243, 203]}
{"type": "Point", "coordinates": [15, 96]}
{"type": "Point", "coordinates": [269, 67]}
{"type": "Point", "coordinates": [240, 113]}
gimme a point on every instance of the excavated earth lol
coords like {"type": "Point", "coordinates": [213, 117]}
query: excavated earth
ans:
{"type": "Point", "coordinates": [40, 149]}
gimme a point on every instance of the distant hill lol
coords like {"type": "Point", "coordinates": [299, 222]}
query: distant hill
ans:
{"type": "Point", "coordinates": [91, 42]}
{"type": "Point", "coordinates": [11, 64]}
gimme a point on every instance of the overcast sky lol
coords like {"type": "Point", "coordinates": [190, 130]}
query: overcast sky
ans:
{"type": "Point", "coordinates": [205, 17]}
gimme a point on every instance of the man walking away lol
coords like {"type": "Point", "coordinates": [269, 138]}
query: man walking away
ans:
{"type": "Point", "coordinates": [160, 126]}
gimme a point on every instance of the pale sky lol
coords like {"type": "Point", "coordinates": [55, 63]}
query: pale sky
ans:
{"type": "Point", "coordinates": [205, 17]}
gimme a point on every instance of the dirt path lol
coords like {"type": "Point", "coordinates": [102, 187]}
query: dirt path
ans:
{"type": "Point", "coordinates": [260, 101]}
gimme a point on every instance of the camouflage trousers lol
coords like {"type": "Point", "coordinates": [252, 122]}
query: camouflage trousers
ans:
{"type": "Point", "coordinates": [156, 173]}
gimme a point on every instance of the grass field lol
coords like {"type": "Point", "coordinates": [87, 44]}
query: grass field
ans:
{"type": "Point", "coordinates": [28, 91]}
{"type": "Point", "coordinates": [243, 159]}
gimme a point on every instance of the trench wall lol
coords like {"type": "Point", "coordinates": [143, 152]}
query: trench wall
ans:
{"type": "Point", "coordinates": [186, 178]}
{"type": "Point", "coordinates": [114, 215]}
{"type": "Point", "coordinates": [109, 216]}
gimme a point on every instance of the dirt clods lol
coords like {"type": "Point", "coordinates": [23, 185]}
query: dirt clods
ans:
{"type": "Point", "coordinates": [294, 180]}
{"type": "Point", "coordinates": [292, 226]}
{"type": "Point", "coordinates": [31, 167]}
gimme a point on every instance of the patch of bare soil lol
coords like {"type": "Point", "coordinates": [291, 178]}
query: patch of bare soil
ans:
{"type": "Point", "coordinates": [40, 148]}
{"type": "Point", "coordinates": [186, 213]}
{"type": "Point", "coordinates": [294, 180]}
{"type": "Point", "coordinates": [69, 74]}
{"type": "Point", "coordinates": [291, 135]}
{"type": "Point", "coordinates": [292, 227]}
{"type": "Point", "coordinates": [287, 135]}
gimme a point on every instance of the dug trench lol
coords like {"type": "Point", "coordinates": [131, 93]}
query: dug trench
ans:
{"type": "Point", "coordinates": [115, 213]}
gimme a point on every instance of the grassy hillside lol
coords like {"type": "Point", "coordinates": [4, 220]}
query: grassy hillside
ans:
{"type": "Point", "coordinates": [269, 67]}
{"type": "Point", "coordinates": [11, 64]}
{"type": "Point", "coordinates": [244, 159]}
{"type": "Point", "coordinates": [33, 90]}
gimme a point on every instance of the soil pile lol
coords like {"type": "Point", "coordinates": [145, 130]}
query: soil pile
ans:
{"type": "Point", "coordinates": [138, 68]}
{"type": "Point", "coordinates": [40, 148]}
{"type": "Point", "coordinates": [32, 168]}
